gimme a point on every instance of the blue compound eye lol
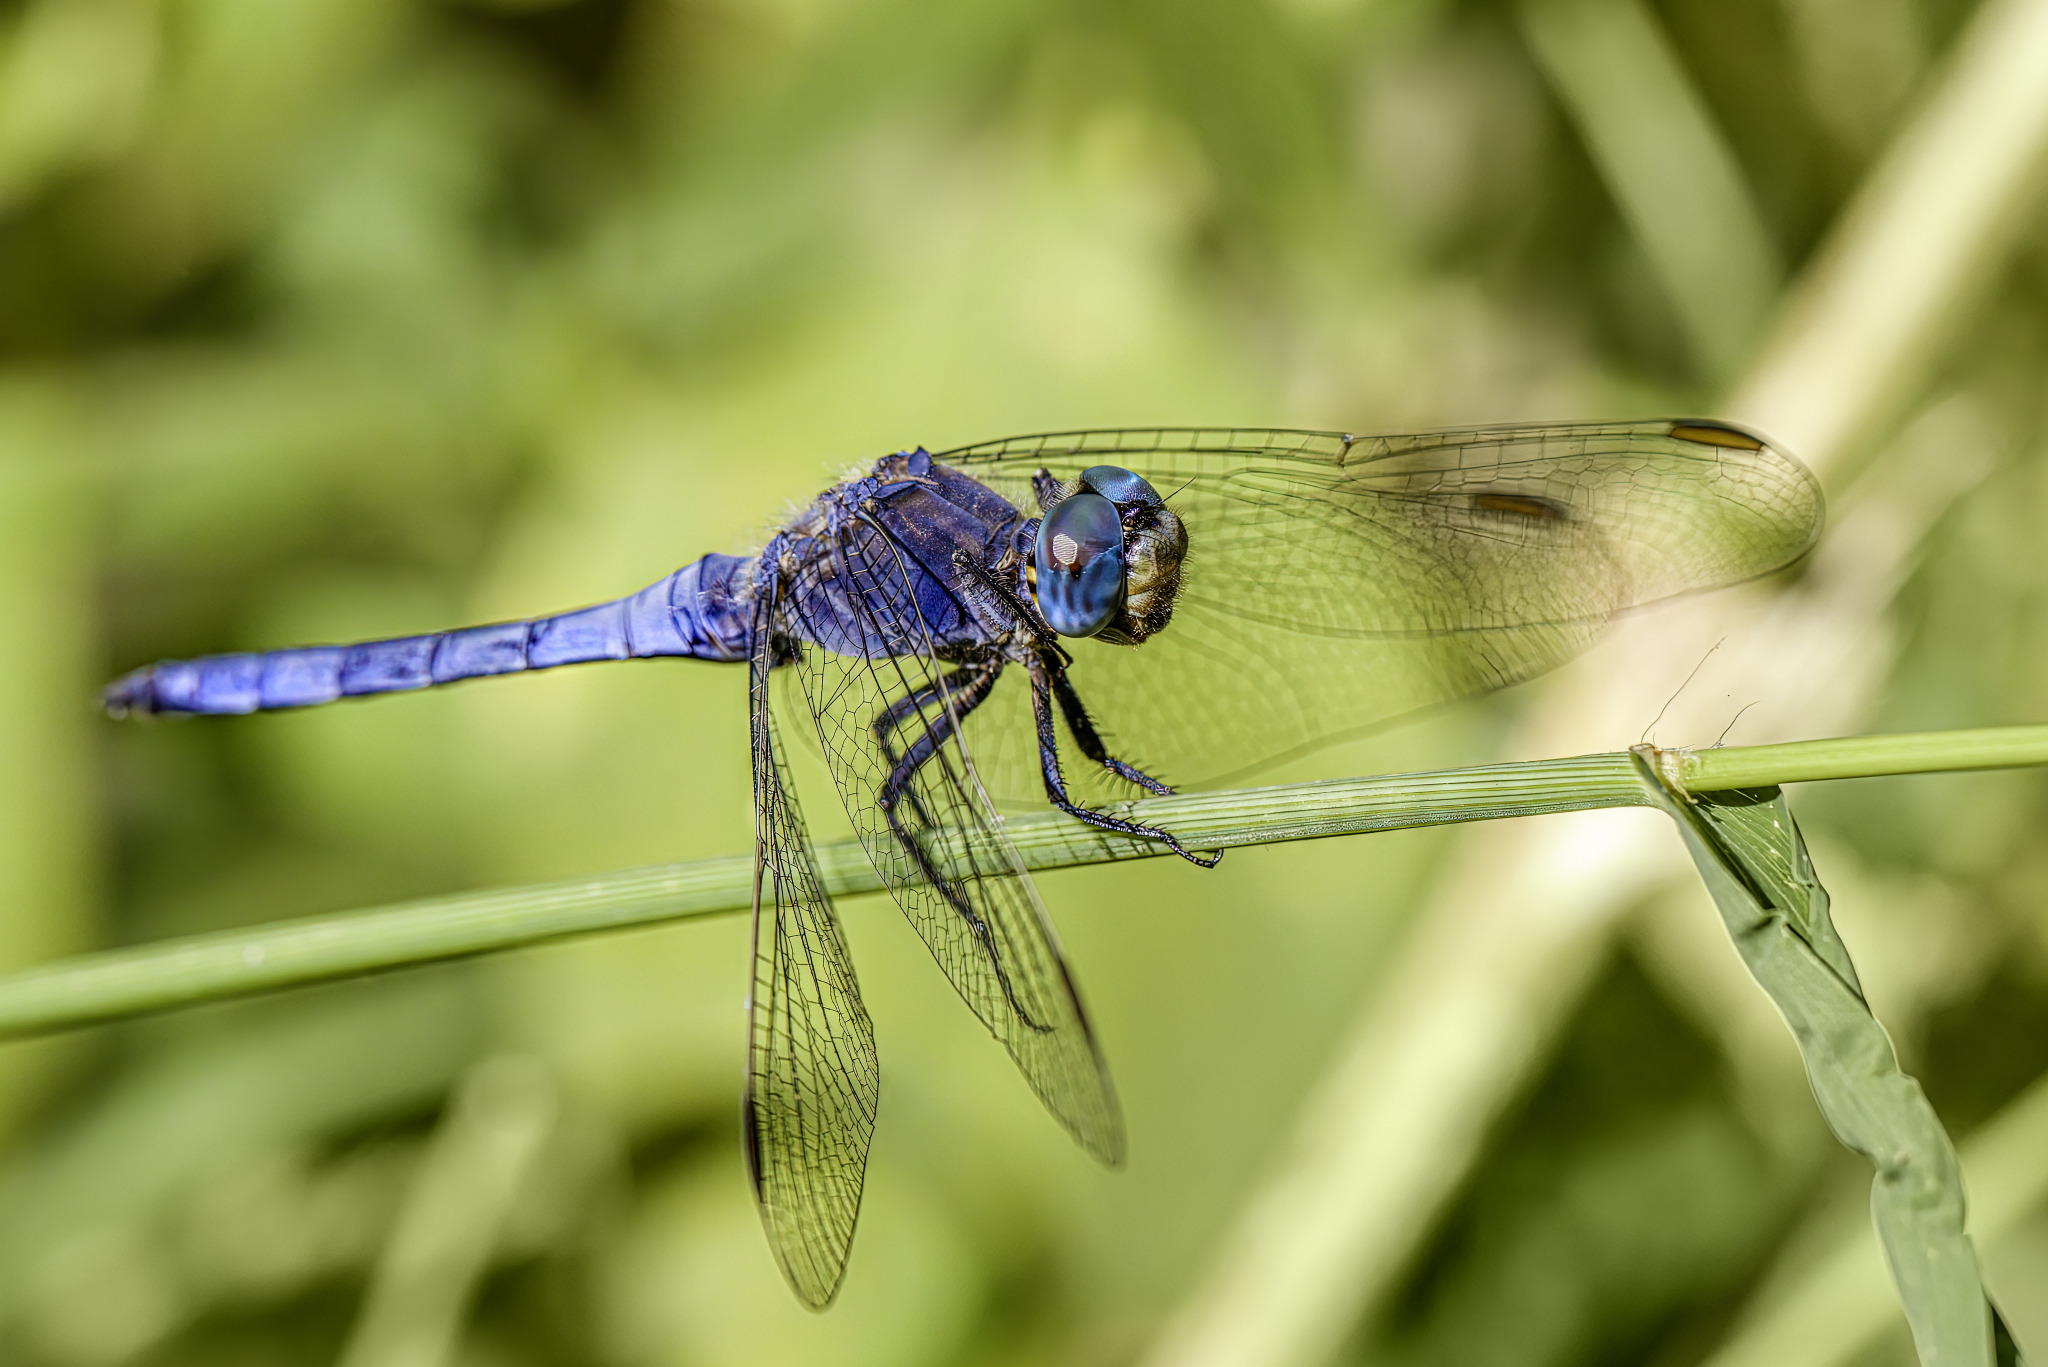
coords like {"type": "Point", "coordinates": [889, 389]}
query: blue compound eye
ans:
{"type": "Point", "coordinates": [1079, 560]}
{"type": "Point", "coordinates": [1120, 486]}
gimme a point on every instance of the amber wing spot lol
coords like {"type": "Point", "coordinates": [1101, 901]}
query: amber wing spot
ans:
{"type": "Point", "coordinates": [1716, 434]}
{"type": "Point", "coordinates": [1520, 505]}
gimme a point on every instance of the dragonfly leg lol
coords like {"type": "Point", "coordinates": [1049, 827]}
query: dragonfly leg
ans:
{"type": "Point", "coordinates": [964, 694]}
{"type": "Point", "coordinates": [896, 788]}
{"type": "Point", "coordinates": [959, 684]}
{"type": "Point", "coordinates": [1085, 735]}
{"type": "Point", "coordinates": [1056, 785]}
{"type": "Point", "coordinates": [955, 684]}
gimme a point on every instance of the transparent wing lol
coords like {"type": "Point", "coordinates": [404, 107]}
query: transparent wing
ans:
{"type": "Point", "coordinates": [888, 728]}
{"type": "Point", "coordinates": [1334, 583]}
{"type": "Point", "coordinates": [813, 1081]}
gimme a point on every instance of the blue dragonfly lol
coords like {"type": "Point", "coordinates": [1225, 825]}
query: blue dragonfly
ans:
{"type": "Point", "coordinates": [1210, 598]}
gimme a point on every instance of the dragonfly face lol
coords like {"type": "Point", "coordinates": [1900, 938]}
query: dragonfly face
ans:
{"type": "Point", "coordinates": [1106, 559]}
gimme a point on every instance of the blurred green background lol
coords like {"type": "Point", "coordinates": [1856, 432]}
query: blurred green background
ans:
{"type": "Point", "coordinates": [323, 319]}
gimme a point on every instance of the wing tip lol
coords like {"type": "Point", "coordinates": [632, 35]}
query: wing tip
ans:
{"type": "Point", "coordinates": [1729, 436]}
{"type": "Point", "coordinates": [816, 1298]}
{"type": "Point", "coordinates": [814, 1273]}
{"type": "Point", "coordinates": [1096, 1124]}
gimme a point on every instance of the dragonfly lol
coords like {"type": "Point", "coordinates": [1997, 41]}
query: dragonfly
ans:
{"type": "Point", "coordinates": [1078, 617]}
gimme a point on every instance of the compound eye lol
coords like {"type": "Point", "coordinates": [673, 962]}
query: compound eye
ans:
{"type": "Point", "coordinates": [1121, 486]}
{"type": "Point", "coordinates": [1079, 564]}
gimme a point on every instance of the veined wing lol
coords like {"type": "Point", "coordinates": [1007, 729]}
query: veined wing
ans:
{"type": "Point", "coordinates": [1334, 583]}
{"type": "Point", "coordinates": [813, 1081]}
{"type": "Point", "coordinates": [888, 728]}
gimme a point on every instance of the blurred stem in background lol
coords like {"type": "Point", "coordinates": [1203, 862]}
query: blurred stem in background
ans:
{"type": "Point", "coordinates": [47, 882]}
{"type": "Point", "coordinates": [74, 78]}
{"type": "Point", "coordinates": [441, 1243]}
{"type": "Point", "coordinates": [1666, 165]}
{"type": "Point", "coordinates": [214, 1141]}
{"type": "Point", "coordinates": [1915, 249]}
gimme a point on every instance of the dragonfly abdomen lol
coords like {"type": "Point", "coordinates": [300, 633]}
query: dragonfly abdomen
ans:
{"type": "Point", "coordinates": [695, 612]}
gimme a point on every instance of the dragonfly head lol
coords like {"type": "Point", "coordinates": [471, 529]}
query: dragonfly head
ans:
{"type": "Point", "coordinates": [1106, 561]}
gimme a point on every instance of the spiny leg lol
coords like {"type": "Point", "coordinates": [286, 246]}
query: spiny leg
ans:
{"type": "Point", "coordinates": [904, 767]}
{"type": "Point", "coordinates": [922, 751]}
{"type": "Point", "coordinates": [1090, 741]}
{"type": "Point", "coordinates": [1056, 785]}
{"type": "Point", "coordinates": [953, 684]}
{"type": "Point", "coordinates": [957, 684]}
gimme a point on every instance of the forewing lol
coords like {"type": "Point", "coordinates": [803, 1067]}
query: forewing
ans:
{"type": "Point", "coordinates": [812, 1077]}
{"type": "Point", "coordinates": [1334, 583]}
{"type": "Point", "coordinates": [931, 830]}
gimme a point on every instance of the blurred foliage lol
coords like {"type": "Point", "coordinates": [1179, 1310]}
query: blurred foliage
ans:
{"type": "Point", "coordinates": [334, 318]}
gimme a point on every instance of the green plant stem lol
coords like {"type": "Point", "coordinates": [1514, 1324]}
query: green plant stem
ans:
{"type": "Point", "coordinates": [1920, 752]}
{"type": "Point", "coordinates": [116, 984]}
{"type": "Point", "coordinates": [127, 982]}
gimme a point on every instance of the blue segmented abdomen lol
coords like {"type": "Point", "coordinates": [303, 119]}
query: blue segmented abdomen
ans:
{"type": "Point", "coordinates": [696, 612]}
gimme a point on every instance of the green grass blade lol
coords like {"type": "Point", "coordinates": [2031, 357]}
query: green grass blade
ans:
{"type": "Point", "coordinates": [1754, 862]}
{"type": "Point", "coordinates": [117, 984]}
{"type": "Point", "coordinates": [128, 982]}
